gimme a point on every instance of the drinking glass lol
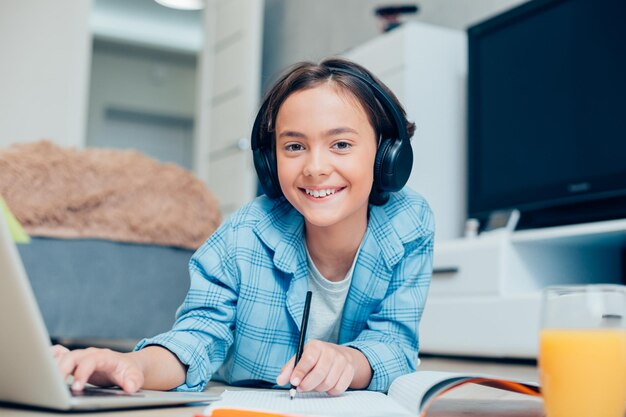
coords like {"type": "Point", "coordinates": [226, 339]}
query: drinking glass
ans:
{"type": "Point", "coordinates": [582, 351]}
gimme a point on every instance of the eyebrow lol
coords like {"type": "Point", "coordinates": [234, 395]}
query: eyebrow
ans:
{"type": "Point", "coordinates": [331, 132]}
{"type": "Point", "coordinates": [340, 130]}
{"type": "Point", "coordinates": [291, 134]}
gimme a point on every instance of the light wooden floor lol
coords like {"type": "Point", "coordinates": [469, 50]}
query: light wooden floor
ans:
{"type": "Point", "coordinates": [508, 369]}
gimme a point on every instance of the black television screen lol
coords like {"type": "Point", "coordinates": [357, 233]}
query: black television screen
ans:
{"type": "Point", "coordinates": [547, 112]}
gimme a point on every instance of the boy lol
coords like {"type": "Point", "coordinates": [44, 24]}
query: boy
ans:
{"type": "Point", "coordinates": [332, 151]}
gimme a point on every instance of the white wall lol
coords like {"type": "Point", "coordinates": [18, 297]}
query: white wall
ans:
{"type": "Point", "coordinates": [141, 79]}
{"type": "Point", "coordinates": [147, 23]}
{"type": "Point", "coordinates": [305, 29]}
{"type": "Point", "coordinates": [45, 48]}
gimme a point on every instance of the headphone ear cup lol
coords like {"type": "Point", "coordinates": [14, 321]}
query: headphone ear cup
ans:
{"type": "Point", "coordinates": [393, 164]}
{"type": "Point", "coordinates": [379, 161]}
{"type": "Point", "coordinates": [264, 158]}
{"type": "Point", "coordinates": [266, 172]}
{"type": "Point", "coordinates": [272, 173]}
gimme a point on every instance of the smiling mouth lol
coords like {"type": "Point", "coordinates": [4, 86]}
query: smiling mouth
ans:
{"type": "Point", "coordinates": [321, 193]}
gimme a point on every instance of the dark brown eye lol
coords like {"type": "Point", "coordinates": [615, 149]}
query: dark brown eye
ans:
{"type": "Point", "coordinates": [342, 146]}
{"type": "Point", "coordinates": [294, 147]}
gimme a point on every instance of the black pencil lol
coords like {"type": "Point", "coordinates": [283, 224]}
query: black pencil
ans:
{"type": "Point", "coordinates": [303, 326]}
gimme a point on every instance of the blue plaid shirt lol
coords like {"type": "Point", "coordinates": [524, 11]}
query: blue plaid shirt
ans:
{"type": "Point", "coordinates": [241, 317]}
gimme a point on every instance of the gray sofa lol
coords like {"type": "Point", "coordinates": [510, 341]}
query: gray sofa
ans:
{"type": "Point", "coordinates": [99, 292]}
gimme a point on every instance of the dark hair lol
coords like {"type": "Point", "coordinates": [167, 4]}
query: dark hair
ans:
{"type": "Point", "coordinates": [305, 75]}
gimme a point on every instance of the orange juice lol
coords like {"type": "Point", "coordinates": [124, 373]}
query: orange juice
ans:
{"type": "Point", "coordinates": [583, 372]}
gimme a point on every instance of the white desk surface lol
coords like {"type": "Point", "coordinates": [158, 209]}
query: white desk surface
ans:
{"type": "Point", "coordinates": [466, 401]}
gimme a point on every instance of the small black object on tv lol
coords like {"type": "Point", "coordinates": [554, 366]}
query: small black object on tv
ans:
{"type": "Point", "coordinates": [547, 113]}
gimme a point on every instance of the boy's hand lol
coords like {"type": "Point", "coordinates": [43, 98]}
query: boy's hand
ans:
{"type": "Point", "coordinates": [102, 367]}
{"type": "Point", "coordinates": [326, 367]}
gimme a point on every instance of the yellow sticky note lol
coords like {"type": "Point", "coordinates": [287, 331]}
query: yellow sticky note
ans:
{"type": "Point", "coordinates": [15, 228]}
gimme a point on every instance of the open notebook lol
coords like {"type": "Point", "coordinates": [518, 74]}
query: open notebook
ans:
{"type": "Point", "coordinates": [409, 395]}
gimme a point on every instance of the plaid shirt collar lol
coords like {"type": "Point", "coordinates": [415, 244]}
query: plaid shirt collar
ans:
{"type": "Point", "coordinates": [282, 231]}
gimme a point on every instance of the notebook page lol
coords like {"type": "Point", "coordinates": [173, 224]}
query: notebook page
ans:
{"type": "Point", "coordinates": [417, 390]}
{"type": "Point", "coordinates": [413, 390]}
{"type": "Point", "coordinates": [352, 403]}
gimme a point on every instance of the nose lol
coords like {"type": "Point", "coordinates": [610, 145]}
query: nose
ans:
{"type": "Point", "coordinates": [317, 163]}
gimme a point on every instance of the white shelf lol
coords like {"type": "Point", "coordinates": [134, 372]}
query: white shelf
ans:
{"type": "Point", "coordinates": [487, 303]}
{"type": "Point", "coordinates": [482, 326]}
{"type": "Point", "coordinates": [611, 232]}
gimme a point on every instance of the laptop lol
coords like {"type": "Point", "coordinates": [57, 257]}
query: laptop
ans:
{"type": "Point", "coordinates": [29, 373]}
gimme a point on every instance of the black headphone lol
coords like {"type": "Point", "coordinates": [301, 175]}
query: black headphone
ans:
{"type": "Point", "coordinates": [394, 157]}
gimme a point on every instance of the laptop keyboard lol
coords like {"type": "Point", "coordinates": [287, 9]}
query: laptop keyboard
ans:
{"type": "Point", "coordinates": [101, 392]}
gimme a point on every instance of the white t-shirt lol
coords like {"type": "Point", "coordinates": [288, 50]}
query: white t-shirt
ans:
{"type": "Point", "coordinates": [327, 303]}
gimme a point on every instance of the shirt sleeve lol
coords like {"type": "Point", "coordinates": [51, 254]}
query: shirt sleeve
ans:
{"type": "Point", "coordinates": [390, 339]}
{"type": "Point", "coordinates": [204, 327]}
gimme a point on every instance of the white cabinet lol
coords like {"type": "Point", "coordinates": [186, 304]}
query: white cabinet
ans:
{"type": "Point", "coordinates": [468, 269]}
{"type": "Point", "coordinates": [425, 66]}
{"type": "Point", "coordinates": [485, 293]}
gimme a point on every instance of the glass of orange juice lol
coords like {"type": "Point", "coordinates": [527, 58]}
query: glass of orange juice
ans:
{"type": "Point", "coordinates": [582, 351]}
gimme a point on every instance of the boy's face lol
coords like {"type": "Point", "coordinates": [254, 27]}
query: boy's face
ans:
{"type": "Point", "coordinates": [325, 151]}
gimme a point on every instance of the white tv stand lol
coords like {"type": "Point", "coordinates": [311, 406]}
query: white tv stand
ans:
{"type": "Point", "coordinates": [485, 294]}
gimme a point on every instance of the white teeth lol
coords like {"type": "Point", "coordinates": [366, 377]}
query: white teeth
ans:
{"type": "Point", "coordinates": [320, 193]}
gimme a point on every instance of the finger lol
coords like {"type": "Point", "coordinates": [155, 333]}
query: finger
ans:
{"type": "Point", "coordinates": [334, 373]}
{"type": "Point", "coordinates": [104, 367]}
{"type": "Point", "coordinates": [285, 372]}
{"type": "Point", "coordinates": [84, 369]}
{"type": "Point", "coordinates": [344, 382]}
{"type": "Point", "coordinates": [106, 364]}
{"type": "Point", "coordinates": [67, 363]}
{"type": "Point", "coordinates": [58, 350]}
{"type": "Point", "coordinates": [131, 380]}
{"type": "Point", "coordinates": [318, 373]}
{"type": "Point", "coordinates": [114, 368]}
{"type": "Point", "coordinates": [307, 362]}
{"type": "Point", "coordinates": [71, 360]}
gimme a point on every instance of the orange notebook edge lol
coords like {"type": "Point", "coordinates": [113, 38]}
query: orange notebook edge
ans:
{"type": "Point", "coordinates": [238, 412]}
